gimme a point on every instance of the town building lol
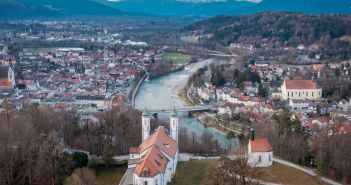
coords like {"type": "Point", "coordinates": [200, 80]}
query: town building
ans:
{"type": "Point", "coordinates": [298, 105]}
{"type": "Point", "coordinates": [155, 160]}
{"type": "Point", "coordinates": [301, 89]}
{"type": "Point", "coordinates": [260, 151]}
{"type": "Point", "coordinates": [7, 78]}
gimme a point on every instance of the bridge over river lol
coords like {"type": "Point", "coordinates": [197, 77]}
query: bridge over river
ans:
{"type": "Point", "coordinates": [184, 109]}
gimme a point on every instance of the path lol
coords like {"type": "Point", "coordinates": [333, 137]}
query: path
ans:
{"type": "Point", "coordinates": [305, 170]}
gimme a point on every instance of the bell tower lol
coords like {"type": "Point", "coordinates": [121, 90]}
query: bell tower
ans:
{"type": "Point", "coordinates": [145, 119]}
{"type": "Point", "coordinates": [174, 125]}
{"type": "Point", "coordinates": [11, 76]}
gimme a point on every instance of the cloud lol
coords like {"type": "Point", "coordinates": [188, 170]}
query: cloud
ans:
{"type": "Point", "coordinates": [115, 1]}
{"type": "Point", "coordinates": [201, 1]}
{"type": "Point", "coordinates": [252, 1]}
{"type": "Point", "coordinates": [211, 1]}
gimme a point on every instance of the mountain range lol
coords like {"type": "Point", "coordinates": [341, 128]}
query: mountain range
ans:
{"type": "Point", "coordinates": [54, 8]}
{"type": "Point", "coordinates": [194, 8]}
{"type": "Point", "coordinates": [230, 7]}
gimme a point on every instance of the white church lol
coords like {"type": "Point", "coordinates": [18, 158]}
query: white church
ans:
{"type": "Point", "coordinates": [7, 81]}
{"type": "Point", "coordinates": [154, 161]}
{"type": "Point", "coordinates": [260, 151]}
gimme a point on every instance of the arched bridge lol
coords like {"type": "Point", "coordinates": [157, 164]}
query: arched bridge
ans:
{"type": "Point", "coordinates": [184, 109]}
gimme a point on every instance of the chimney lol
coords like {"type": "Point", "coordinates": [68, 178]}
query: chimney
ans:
{"type": "Point", "coordinates": [252, 134]}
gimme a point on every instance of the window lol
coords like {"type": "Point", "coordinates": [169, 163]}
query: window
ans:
{"type": "Point", "coordinates": [145, 183]}
{"type": "Point", "coordinates": [270, 158]}
{"type": "Point", "coordinates": [299, 94]}
{"type": "Point", "coordinates": [306, 93]}
{"type": "Point", "coordinates": [312, 94]}
{"type": "Point", "coordinates": [259, 158]}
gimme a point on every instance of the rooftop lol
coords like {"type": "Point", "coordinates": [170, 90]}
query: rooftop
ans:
{"type": "Point", "coordinates": [300, 84]}
{"type": "Point", "coordinates": [260, 145]}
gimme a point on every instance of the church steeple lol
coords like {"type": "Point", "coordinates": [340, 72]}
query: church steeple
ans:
{"type": "Point", "coordinates": [145, 119]}
{"type": "Point", "coordinates": [11, 76]}
{"type": "Point", "coordinates": [174, 124]}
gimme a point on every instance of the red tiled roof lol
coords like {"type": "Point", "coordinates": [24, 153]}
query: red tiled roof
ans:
{"type": "Point", "coordinates": [5, 84]}
{"type": "Point", "coordinates": [160, 139]}
{"type": "Point", "coordinates": [153, 163]}
{"type": "Point", "coordinates": [260, 145]}
{"type": "Point", "coordinates": [300, 84]}
{"type": "Point", "coordinates": [133, 150]}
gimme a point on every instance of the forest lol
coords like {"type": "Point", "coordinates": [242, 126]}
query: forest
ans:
{"type": "Point", "coordinates": [279, 29]}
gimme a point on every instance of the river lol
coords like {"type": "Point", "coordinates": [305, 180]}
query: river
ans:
{"type": "Point", "coordinates": [162, 93]}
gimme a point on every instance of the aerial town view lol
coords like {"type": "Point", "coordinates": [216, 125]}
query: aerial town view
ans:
{"type": "Point", "coordinates": [175, 92]}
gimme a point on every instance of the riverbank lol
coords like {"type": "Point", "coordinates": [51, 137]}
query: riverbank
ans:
{"type": "Point", "coordinates": [167, 72]}
{"type": "Point", "coordinates": [184, 96]}
{"type": "Point", "coordinates": [210, 122]}
{"type": "Point", "coordinates": [135, 89]}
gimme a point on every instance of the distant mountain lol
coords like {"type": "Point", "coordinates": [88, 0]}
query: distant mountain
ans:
{"type": "Point", "coordinates": [303, 6]}
{"type": "Point", "coordinates": [283, 27]}
{"type": "Point", "coordinates": [219, 7]}
{"type": "Point", "coordinates": [178, 8]}
{"type": "Point", "coordinates": [19, 9]}
{"type": "Point", "coordinates": [53, 8]}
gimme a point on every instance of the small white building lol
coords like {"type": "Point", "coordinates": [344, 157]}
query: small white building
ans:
{"type": "Point", "coordinates": [260, 152]}
{"type": "Point", "coordinates": [344, 105]}
{"type": "Point", "coordinates": [297, 105]}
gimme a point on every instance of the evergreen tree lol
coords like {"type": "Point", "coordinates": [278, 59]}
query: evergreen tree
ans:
{"type": "Point", "coordinates": [321, 164]}
{"type": "Point", "coordinates": [107, 154]}
{"type": "Point", "coordinates": [262, 92]}
{"type": "Point", "coordinates": [337, 72]}
{"type": "Point", "coordinates": [80, 158]}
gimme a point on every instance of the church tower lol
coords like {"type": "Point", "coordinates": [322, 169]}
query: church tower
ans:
{"type": "Point", "coordinates": [174, 125]}
{"type": "Point", "coordinates": [145, 119]}
{"type": "Point", "coordinates": [11, 76]}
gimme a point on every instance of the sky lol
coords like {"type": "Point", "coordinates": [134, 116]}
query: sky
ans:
{"type": "Point", "coordinates": [201, 1]}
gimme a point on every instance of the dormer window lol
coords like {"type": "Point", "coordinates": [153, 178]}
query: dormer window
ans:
{"type": "Point", "coordinates": [166, 145]}
{"type": "Point", "coordinates": [145, 172]}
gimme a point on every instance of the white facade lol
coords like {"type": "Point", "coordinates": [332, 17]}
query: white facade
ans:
{"type": "Point", "coordinates": [260, 152]}
{"type": "Point", "coordinates": [11, 76]}
{"type": "Point", "coordinates": [145, 119]}
{"type": "Point", "coordinates": [296, 92]}
{"type": "Point", "coordinates": [260, 159]}
{"type": "Point", "coordinates": [159, 147]}
{"type": "Point", "coordinates": [174, 127]}
{"type": "Point", "coordinates": [299, 105]}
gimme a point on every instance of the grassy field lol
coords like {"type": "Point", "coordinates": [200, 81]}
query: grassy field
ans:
{"type": "Point", "coordinates": [192, 172]}
{"type": "Point", "coordinates": [176, 58]}
{"type": "Point", "coordinates": [110, 176]}
{"type": "Point", "coordinates": [282, 174]}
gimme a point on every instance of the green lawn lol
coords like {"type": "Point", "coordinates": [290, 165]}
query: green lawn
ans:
{"type": "Point", "coordinates": [111, 176]}
{"type": "Point", "coordinates": [176, 58]}
{"type": "Point", "coordinates": [192, 172]}
{"type": "Point", "coordinates": [282, 174]}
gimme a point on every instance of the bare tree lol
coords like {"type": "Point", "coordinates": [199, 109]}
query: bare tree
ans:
{"type": "Point", "coordinates": [81, 176]}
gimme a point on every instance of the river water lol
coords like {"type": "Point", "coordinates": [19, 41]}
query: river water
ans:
{"type": "Point", "coordinates": [162, 93]}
